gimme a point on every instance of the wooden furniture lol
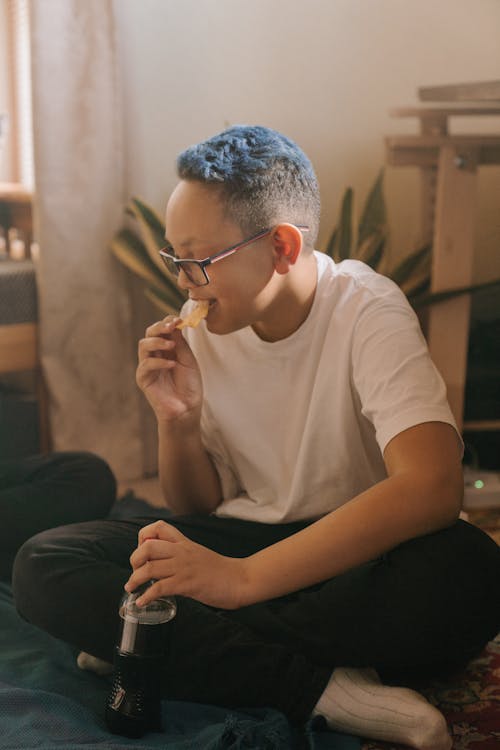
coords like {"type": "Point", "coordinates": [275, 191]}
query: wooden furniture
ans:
{"type": "Point", "coordinates": [19, 332]}
{"type": "Point", "coordinates": [448, 167]}
{"type": "Point", "coordinates": [481, 91]}
{"type": "Point", "coordinates": [19, 352]}
{"type": "Point", "coordinates": [18, 347]}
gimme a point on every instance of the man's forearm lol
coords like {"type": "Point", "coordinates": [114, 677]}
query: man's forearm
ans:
{"type": "Point", "coordinates": [188, 479]}
{"type": "Point", "coordinates": [379, 519]}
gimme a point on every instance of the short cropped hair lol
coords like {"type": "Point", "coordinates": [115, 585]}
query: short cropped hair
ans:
{"type": "Point", "coordinates": [263, 177]}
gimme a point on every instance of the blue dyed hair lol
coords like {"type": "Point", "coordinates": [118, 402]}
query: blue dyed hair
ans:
{"type": "Point", "coordinates": [263, 178]}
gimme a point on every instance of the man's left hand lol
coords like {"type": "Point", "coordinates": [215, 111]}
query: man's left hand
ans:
{"type": "Point", "coordinates": [181, 566]}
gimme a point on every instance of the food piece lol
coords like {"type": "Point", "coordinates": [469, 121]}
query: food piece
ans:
{"type": "Point", "coordinates": [197, 311]}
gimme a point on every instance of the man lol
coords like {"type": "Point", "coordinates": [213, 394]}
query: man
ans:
{"type": "Point", "coordinates": [311, 462]}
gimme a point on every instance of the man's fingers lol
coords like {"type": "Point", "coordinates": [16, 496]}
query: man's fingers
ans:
{"type": "Point", "coordinates": [149, 346]}
{"type": "Point", "coordinates": [157, 570]}
{"type": "Point", "coordinates": [157, 589]}
{"type": "Point", "coordinates": [160, 530]}
{"type": "Point", "coordinates": [167, 325]}
{"type": "Point", "coordinates": [153, 549]}
{"type": "Point", "coordinates": [151, 364]}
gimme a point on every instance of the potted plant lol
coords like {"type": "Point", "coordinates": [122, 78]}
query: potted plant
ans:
{"type": "Point", "coordinates": [412, 273]}
{"type": "Point", "coordinates": [138, 251]}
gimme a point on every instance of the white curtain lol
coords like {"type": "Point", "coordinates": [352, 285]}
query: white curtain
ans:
{"type": "Point", "coordinates": [86, 333]}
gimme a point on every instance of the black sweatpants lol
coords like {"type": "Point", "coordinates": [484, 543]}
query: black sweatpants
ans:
{"type": "Point", "coordinates": [39, 492]}
{"type": "Point", "coordinates": [419, 611]}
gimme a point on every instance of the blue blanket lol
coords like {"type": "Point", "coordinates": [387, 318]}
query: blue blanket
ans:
{"type": "Point", "coordinates": [48, 703]}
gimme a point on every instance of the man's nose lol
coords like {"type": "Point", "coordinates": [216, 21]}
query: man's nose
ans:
{"type": "Point", "coordinates": [183, 280]}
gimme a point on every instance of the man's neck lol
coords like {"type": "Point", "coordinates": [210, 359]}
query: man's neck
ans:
{"type": "Point", "coordinates": [292, 303]}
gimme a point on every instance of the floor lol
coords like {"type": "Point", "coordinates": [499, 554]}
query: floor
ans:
{"type": "Point", "coordinates": [145, 489]}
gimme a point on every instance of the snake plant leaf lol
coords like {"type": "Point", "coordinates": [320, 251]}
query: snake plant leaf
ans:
{"type": "Point", "coordinates": [371, 250]}
{"type": "Point", "coordinates": [332, 244]}
{"type": "Point", "coordinates": [165, 301]}
{"type": "Point", "coordinates": [374, 216]}
{"type": "Point", "coordinates": [434, 298]}
{"type": "Point", "coordinates": [343, 250]}
{"type": "Point", "coordinates": [418, 283]}
{"type": "Point", "coordinates": [159, 302]}
{"type": "Point", "coordinates": [420, 258]}
{"type": "Point", "coordinates": [131, 251]}
{"type": "Point", "coordinates": [418, 290]}
{"type": "Point", "coordinates": [152, 228]}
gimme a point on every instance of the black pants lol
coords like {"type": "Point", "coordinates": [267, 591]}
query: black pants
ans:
{"type": "Point", "coordinates": [39, 492]}
{"type": "Point", "coordinates": [419, 611]}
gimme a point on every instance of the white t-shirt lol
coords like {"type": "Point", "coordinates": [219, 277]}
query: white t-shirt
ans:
{"type": "Point", "coordinates": [297, 427]}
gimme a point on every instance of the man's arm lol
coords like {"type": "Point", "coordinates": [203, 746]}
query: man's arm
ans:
{"type": "Point", "coordinates": [423, 493]}
{"type": "Point", "coordinates": [188, 478]}
{"type": "Point", "coordinates": [169, 376]}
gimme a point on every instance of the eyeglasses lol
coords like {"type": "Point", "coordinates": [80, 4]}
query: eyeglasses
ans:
{"type": "Point", "coordinates": [195, 269]}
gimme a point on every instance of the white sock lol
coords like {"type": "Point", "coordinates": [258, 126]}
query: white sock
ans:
{"type": "Point", "coordinates": [355, 702]}
{"type": "Point", "coordinates": [93, 664]}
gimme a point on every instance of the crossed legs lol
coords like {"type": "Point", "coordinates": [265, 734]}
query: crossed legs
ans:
{"type": "Point", "coordinates": [403, 614]}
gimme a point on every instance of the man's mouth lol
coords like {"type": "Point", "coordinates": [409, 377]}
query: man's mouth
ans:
{"type": "Point", "coordinates": [212, 302]}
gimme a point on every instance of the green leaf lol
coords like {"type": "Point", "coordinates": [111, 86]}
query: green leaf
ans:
{"type": "Point", "coordinates": [130, 250]}
{"type": "Point", "coordinates": [332, 244]}
{"type": "Point", "coordinates": [371, 250]}
{"type": "Point", "coordinates": [151, 226]}
{"type": "Point", "coordinates": [419, 282]}
{"type": "Point", "coordinates": [418, 289]}
{"type": "Point", "coordinates": [164, 302]}
{"type": "Point", "coordinates": [409, 265]}
{"type": "Point", "coordinates": [345, 227]}
{"type": "Point", "coordinates": [433, 298]}
{"type": "Point", "coordinates": [373, 217]}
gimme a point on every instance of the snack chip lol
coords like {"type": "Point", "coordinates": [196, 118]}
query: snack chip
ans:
{"type": "Point", "coordinates": [197, 311]}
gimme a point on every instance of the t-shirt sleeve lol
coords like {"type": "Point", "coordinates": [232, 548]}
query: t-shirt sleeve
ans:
{"type": "Point", "coordinates": [397, 382]}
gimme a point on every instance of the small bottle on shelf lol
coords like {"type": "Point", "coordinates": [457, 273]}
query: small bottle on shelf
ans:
{"type": "Point", "coordinates": [17, 246]}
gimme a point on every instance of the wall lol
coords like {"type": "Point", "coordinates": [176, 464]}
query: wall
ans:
{"type": "Point", "coordinates": [325, 72]}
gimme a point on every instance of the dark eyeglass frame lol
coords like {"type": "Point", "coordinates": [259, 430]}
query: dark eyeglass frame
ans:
{"type": "Point", "coordinates": [187, 263]}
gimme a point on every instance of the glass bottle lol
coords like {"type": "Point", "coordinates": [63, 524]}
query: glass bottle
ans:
{"type": "Point", "coordinates": [133, 706]}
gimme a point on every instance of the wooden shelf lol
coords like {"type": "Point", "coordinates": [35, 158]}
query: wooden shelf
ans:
{"type": "Point", "coordinates": [424, 113]}
{"type": "Point", "coordinates": [424, 150]}
{"type": "Point", "coordinates": [13, 192]}
{"type": "Point", "coordinates": [18, 347]}
{"type": "Point", "coordinates": [482, 91]}
{"type": "Point", "coordinates": [482, 425]}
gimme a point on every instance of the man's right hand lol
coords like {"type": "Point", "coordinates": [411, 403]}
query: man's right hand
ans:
{"type": "Point", "coordinates": [168, 374]}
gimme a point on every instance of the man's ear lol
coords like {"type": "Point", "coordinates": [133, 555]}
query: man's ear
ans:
{"type": "Point", "coordinates": [287, 244]}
